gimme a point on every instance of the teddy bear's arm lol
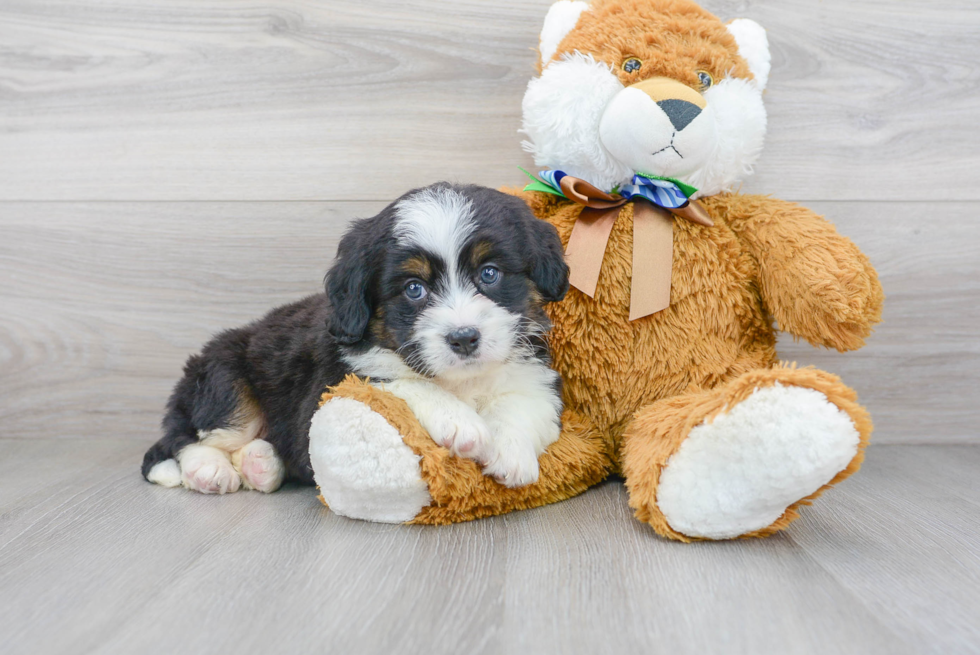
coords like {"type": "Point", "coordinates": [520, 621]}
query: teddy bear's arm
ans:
{"type": "Point", "coordinates": [816, 283]}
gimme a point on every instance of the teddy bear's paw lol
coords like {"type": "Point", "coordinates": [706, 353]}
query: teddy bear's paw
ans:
{"type": "Point", "coordinates": [514, 465]}
{"type": "Point", "coordinates": [259, 465]}
{"type": "Point", "coordinates": [740, 472]}
{"type": "Point", "coordinates": [208, 470]}
{"type": "Point", "coordinates": [363, 468]}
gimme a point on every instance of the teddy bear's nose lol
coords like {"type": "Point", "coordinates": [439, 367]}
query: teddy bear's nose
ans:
{"type": "Point", "coordinates": [681, 103]}
{"type": "Point", "coordinates": [680, 112]}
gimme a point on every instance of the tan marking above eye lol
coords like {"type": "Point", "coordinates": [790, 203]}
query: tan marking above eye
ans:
{"type": "Point", "coordinates": [418, 267]}
{"type": "Point", "coordinates": [481, 251]}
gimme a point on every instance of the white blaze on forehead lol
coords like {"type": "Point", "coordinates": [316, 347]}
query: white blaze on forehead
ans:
{"type": "Point", "coordinates": [438, 220]}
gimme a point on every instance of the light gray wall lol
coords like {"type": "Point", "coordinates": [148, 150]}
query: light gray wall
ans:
{"type": "Point", "coordinates": [169, 169]}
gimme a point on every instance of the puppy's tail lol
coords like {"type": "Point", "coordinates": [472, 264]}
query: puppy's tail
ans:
{"type": "Point", "coordinates": [160, 461]}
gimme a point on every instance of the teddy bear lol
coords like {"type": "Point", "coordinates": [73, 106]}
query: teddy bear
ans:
{"type": "Point", "coordinates": [643, 119]}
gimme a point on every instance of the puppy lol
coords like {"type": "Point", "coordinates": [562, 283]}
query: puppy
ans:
{"type": "Point", "coordinates": [438, 299]}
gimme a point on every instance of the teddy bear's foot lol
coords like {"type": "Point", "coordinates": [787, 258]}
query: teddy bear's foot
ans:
{"type": "Point", "coordinates": [739, 472]}
{"type": "Point", "coordinates": [363, 468]}
{"type": "Point", "coordinates": [373, 460]}
{"type": "Point", "coordinates": [759, 447]}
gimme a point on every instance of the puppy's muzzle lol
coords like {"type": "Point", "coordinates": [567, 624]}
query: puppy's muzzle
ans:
{"type": "Point", "coordinates": [464, 341]}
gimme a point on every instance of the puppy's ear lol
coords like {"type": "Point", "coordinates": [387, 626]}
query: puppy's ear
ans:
{"type": "Point", "coordinates": [548, 269]}
{"type": "Point", "coordinates": [349, 283]}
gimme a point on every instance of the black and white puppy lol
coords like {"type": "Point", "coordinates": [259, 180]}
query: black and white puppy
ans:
{"type": "Point", "coordinates": [438, 299]}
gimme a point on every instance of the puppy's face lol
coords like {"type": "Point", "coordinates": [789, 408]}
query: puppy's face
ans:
{"type": "Point", "coordinates": [450, 279]}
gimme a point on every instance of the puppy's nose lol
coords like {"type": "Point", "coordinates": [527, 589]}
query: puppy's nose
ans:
{"type": "Point", "coordinates": [680, 112]}
{"type": "Point", "coordinates": [464, 341]}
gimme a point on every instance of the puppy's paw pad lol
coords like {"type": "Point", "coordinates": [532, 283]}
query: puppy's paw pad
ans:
{"type": "Point", "coordinates": [260, 466]}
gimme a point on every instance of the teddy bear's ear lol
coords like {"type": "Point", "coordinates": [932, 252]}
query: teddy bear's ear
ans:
{"type": "Point", "coordinates": [753, 46]}
{"type": "Point", "coordinates": [561, 20]}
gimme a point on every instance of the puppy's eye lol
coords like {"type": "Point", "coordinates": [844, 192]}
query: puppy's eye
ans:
{"type": "Point", "coordinates": [632, 64]}
{"type": "Point", "coordinates": [415, 290]}
{"type": "Point", "coordinates": [705, 80]}
{"type": "Point", "coordinates": [490, 275]}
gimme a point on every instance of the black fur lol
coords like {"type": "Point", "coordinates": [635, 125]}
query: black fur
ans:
{"type": "Point", "coordinates": [284, 361]}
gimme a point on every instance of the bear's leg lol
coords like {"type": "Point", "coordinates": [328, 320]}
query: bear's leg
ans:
{"type": "Point", "coordinates": [372, 460]}
{"type": "Point", "coordinates": [739, 459]}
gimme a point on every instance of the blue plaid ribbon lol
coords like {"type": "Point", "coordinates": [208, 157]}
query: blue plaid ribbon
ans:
{"type": "Point", "coordinates": [553, 178]}
{"type": "Point", "coordinates": [661, 192]}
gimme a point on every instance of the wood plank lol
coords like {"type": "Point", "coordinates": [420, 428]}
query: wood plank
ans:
{"type": "Point", "coordinates": [104, 561]}
{"type": "Point", "coordinates": [901, 536]}
{"type": "Point", "coordinates": [609, 584]}
{"type": "Point", "coordinates": [103, 302]}
{"type": "Point", "coordinates": [290, 100]}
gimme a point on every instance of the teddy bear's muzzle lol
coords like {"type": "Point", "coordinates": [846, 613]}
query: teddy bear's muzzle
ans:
{"type": "Point", "coordinates": [653, 126]}
{"type": "Point", "coordinates": [681, 103]}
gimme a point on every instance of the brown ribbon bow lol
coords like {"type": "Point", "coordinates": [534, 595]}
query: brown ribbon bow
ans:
{"type": "Point", "coordinates": [653, 243]}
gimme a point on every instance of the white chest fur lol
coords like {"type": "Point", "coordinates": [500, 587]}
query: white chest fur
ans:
{"type": "Point", "coordinates": [503, 415]}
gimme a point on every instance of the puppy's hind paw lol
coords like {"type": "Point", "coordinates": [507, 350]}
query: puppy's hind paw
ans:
{"type": "Point", "coordinates": [259, 465]}
{"type": "Point", "coordinates": [207, 470]}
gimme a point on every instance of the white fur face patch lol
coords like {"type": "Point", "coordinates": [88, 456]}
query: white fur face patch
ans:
{"type": "Point", "coordinates": [580, 119]}
{"type": "Point", "coordinates": [440, 223]}
{"type": "Point", "coordinates": [460, 307]}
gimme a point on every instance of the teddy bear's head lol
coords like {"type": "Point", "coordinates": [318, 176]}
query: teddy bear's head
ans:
{"type": "Point", "coordinates": [660, 87]}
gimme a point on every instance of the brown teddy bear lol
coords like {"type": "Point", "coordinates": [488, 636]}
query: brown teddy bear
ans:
{"type": "Point", "coordinates": [645, 115]}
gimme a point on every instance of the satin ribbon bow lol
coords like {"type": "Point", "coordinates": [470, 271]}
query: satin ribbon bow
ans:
{"type": "Point", "coordinates": [655, 201]}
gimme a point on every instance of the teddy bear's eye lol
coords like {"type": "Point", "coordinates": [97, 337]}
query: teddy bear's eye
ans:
{"type": "Point", "coordinates": [632, 64]}
{"type": "Point", "coordinates": [704, 79]}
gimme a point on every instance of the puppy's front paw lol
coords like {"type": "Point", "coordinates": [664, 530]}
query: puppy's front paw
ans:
{"type": "Point", "coordinates": [459, 428]}
{"type": "Point", "coordinates": [513, 466]}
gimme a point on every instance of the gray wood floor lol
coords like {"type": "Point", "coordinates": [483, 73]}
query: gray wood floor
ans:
{"type": "Point", "coordinates": [172, 168]}
{"type": "Point", "coordinates": [93, 559]}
